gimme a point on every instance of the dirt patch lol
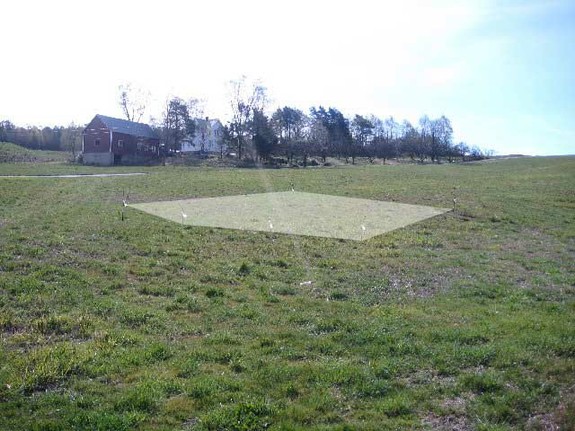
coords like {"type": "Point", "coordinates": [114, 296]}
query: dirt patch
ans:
{"type": "Point", "coordinates": [448, 422]}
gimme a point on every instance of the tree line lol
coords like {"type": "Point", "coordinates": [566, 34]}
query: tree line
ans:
{"type": "Point", "coordinates": [290, 135]}
{"type": "Point", "coordinates": [287, 135]}
{"type": "Point", "coordinates": [57, 138]}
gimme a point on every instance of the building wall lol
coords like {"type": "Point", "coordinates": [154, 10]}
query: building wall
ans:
{"type": "Point", "coordinates": [96, 137]}
{"type": "Point", "coordinates": [98, 159]}
{"type": "Point", "coordinates": [124, 145]}
{"type": "Point", "coordinates": [100, 147]}
{"type": "Point", "coordinates": [208, 135]}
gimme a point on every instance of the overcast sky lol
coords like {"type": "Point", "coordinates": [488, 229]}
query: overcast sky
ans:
{"type": "Point", "coordinates": [502, 71]}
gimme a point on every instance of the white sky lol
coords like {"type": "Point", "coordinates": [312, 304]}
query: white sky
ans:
{"type": "Point", "coordinates": [503, 72]}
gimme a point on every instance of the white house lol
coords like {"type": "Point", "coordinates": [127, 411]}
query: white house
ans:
{"type": "Point", "coordinates": [208, 137]}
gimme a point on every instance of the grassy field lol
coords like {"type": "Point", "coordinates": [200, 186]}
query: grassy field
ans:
{"type": "Point", "coordinates": [11, 153]}
{"type": "Point", "coordinates": [17, 160]}
{"type": "Point", "coordinates": [462, 321]}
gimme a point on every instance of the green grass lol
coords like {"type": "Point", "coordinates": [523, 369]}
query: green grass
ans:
{"type": "Point", "coordinates": [466, 319]}
{"type": "Point", "coordinates": [11, 153]}
{"type": "Point", "coordinates": [17, 160]}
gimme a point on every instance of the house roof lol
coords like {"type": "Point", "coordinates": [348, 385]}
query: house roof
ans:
{"type": "Point", "coordinates": [128, 127]}
{"type": "Point", "coordinates": [214, 122]}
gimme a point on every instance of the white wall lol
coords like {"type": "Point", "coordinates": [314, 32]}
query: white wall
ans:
{"type": "Point", "coordinates": [208, 135]}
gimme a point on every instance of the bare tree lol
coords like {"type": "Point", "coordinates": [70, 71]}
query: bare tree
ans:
{"type": "Point", "coordinates": [133, 101]}
{"type": "Point", "coordinates": [442, 138]}
{"type": "Point", "coordinates": [391, 129]}
{"type": "Point", "coordinates": [245, 97]}
{"type": "Point", "coordinates": [224, 139]}
{"type": "Point", "coordinates": [462, 149]}
{"type": "Point", "coordinates": [424, 149]}
{"type": "Point", "coordinates": [71, 139]}
{"type": "Point", "coordinates": [196, 107]}
{"type": "Point", "coordinates": [290, 127]}
{"type": "Point", "coordinates": [362, 131]}
{"type": "Point", "coordinates": [317, 139]}
{"type": "Point", "coordinates": [409, 140]}
{"type": "Point", "coordinates": [198, 127]}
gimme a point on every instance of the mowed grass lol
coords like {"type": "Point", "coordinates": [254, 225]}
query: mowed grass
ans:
{"type": "Point", "coordinates": [462, 321]}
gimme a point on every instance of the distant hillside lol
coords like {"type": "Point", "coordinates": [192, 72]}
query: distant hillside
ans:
{"type": "Point", "coordinates": [12, 153]}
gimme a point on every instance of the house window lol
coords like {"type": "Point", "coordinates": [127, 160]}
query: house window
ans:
{"type": "Point", "coordinates": [97, 142]}
{"type": "Point", "coordinates": [120, 143]}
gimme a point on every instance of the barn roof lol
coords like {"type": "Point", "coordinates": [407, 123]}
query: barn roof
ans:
{"type": "Point", "coordinates": [128, 127]}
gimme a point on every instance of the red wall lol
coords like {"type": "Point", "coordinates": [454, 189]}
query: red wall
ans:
{"type": "Point", "coordinates": [131, 145]}
{"type": "Point", "coordinates": [96, 130]}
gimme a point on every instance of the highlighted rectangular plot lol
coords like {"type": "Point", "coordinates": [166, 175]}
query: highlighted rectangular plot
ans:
{"type": "Point", "coordinates": [296, 213]}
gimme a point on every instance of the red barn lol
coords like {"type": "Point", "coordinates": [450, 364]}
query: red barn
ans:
{"type": "Point", "coordinates": [111, 141]}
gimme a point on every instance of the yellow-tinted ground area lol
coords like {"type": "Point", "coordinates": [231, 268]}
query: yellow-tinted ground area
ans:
{"type": "Point", "coordinates": [294, 213]}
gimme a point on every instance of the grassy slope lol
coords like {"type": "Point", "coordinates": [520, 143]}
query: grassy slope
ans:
{"type": "Point", "coordinates": [11, 153]}
{"type": "Point", "coordinates": [465, 320]}
{"type": "Point", "coordinates": [17, 160]}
